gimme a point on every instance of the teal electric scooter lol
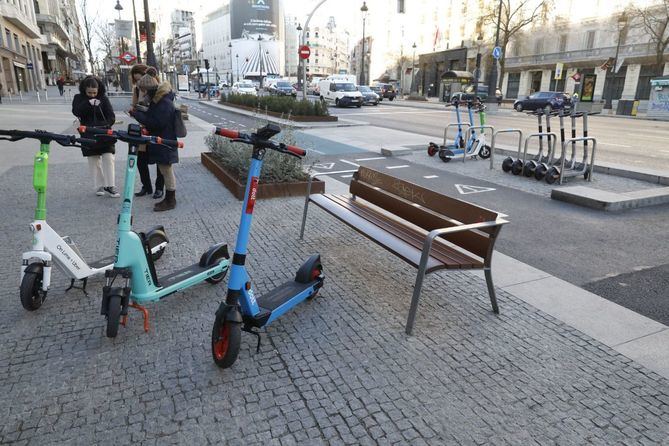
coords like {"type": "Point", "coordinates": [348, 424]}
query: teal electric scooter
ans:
{"type": "Point", "coordinates": [133, 280]}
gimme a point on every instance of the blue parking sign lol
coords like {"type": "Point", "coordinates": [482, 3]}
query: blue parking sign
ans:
{"type": "Point", "coordinates": [497, 52]}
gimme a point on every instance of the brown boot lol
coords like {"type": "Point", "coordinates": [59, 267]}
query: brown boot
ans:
{"type": "Point", "coordinates": [170, 202]}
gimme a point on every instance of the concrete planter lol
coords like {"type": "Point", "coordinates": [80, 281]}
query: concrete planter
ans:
{"type": "Point", "coordinates": [265, 190]}
{"type": "Point", "coordinates": [295, 118]}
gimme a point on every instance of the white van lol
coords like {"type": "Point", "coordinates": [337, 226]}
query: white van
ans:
{"type": "Point", "coordinates": [340, 92]}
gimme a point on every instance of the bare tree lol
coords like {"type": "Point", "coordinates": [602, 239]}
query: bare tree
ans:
{"type": "Point", "coordinates": [106, 42]}
{"type": "Point", "coordinates": [654, 21]}
{"type": "Point", "coordinates": [515, 16]}
{"type": "Point", "coordinates": [88, 26]}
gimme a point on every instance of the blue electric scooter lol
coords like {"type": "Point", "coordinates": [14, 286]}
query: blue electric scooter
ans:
{"type": "Point", "coordinates": [476, 144]}
{"type": "Point", "coordinates": [459, 141]}
{"type": "Point", "coordinates": [133, 266]}
{"type": "Point", "coordinates": [242, 311]}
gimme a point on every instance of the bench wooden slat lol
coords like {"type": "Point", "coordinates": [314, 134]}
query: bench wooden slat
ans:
{"type": "Point", "coordinates": [450, 257]}
{"type": "Point", "coordinates": [425, 218]}
{"type": "Point", "coordinates": [442, 204]}
{"type": "Point", "coordinates": [399, 247]}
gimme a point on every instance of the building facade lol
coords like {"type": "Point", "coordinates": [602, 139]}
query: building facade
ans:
{"type": "Point", "coordinates": [61, 43]}
{"type": "Point", "coordinates": [328, 44]}
{"type": "Point", "coordinates": [245, 39]}
{"type": "Point", "coordinates": [607, 42]}
{"type": "Point", "coordinates": [183, 44]}
{"type": "Point", "coordinates": [21, 68]}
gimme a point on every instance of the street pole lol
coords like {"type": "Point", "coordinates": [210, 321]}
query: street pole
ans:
{"type": "Point", "coordinates": [237, 57]}
{"type": "Point", "coordinates": [150, 55]}
{"type": "Point", "coordinates": [304, 32]}
{"type": "Point", "coordinates": [610, 72]}
{"type": "Point", "coordinates": [134, 17]}
{"type": "Point", "coordinates": [477, 70]}
{"type": "Point", "coordinates": [260, 61]}
{"type": "Point", "coordinates": [230, 49]}
{"type": "Point", "coordinates": [364, 10]}
{"type": "Point", "coordinates": [492, 85]}
{"type": "Point", "coordinates": [413, 68]}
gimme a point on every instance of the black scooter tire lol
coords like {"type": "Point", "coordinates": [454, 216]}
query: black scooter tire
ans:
{"type": "Point", "coordinates": [527, 170]}
{"type": "Point", "coordinates": [507, 164]}
{"type": "Point", "coordinates": [517, 167]}
{"type": "Point", "coordinates": [540, 172]}
{"type": "Point", "coordinates": [156, 239]}
{"type": "Point", "coordinates": [32, 296]}
{"type": "Point", "coordinates": [226, 338]}
{"type": "Point", "coordinates": [442, 155]}
{"type": "Point", "coordinates": [484, 153]}
{"type": "Point", "coordinates": [552, 175]}
{"type": "Point", "coordinates": [113, 315]}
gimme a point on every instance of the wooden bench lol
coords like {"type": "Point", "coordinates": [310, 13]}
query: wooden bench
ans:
{"type": "Point", "coordinates": [428, 230]}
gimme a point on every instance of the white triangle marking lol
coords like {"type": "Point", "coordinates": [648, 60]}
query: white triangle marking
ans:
{"type": "Point", "coordinates": [464, 189]}
{"type": "Point", "coordinates": [324, 165]}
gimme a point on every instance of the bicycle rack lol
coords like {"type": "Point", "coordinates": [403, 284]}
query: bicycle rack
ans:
{"type": "Point", "coordinates": [494, 137]}
{"type": "Point", "coordinates": [551, 147]}
{"type": "Point", "coordinates": [453, 124]}
{"type": "Point", "coordinates": [585, 168]}
{"type": "Point", "coordinates": [468, 132]}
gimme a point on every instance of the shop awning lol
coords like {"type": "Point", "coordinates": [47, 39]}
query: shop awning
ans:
{"type": "Point", "coordinates": [455, 75]}
{"type": "Point", "coordinates": [19, 64]}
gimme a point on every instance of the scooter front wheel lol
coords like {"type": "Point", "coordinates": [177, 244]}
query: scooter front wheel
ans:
{"type": "Point", "coordinates": [226, 337]}
{"type": "Point", "coordinates": [113, 315]}
{"type": "Point", "coordinates": [432, 149]}
{"type": "Point", "coordinates": [32, 295]}
{"type": "Point", "coordinates": [484, 153]}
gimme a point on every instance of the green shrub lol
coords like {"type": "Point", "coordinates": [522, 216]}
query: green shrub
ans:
{"type": "Point", "coordinates": [277, 104]}
{"type": "Point", "coordinates": [277, 167]}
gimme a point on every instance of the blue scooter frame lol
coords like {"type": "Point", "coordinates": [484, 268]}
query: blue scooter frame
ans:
{"type": "Point", "coordinates": [241, 306]}
{"type": "Point", "coordinates": [476, 145]}
{"type": "Point", "coordinates": [134, 264]}
{"type": "Point", "coordinates": [459, 141]}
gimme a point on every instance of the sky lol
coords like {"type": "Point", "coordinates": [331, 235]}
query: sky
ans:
{"type": "Point", "coordinates": [160, 11]}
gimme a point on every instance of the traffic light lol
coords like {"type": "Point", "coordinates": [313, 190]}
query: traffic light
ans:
{"type": "Point", "coordinates": [206, 64]}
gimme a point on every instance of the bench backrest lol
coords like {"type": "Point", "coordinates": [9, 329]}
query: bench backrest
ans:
{"type": "Point", "coordinates": [425, 208]}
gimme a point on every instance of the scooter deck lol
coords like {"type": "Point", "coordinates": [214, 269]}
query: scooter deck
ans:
{"type": "Point", "coordinates": [106, 261]}
{"type": "Point", "coordinates": [182, 274]}
{"type": "Point", "coordinates": [282, 294]}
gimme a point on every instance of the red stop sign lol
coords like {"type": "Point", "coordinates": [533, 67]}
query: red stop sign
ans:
{"type": "Point", "coordinates": [304, 52]}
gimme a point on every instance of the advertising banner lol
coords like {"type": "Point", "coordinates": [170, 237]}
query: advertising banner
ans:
{"type": "Point", "coordinates": [588, 87]}
{"type": "Point", "coordinates": [124, 29]}
{"type": "Point", "coordinates": [142, 31]}
{"type": "Point", "coordinates": [250, 18]}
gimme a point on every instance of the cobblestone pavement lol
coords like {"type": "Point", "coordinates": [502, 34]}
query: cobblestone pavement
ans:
{"type": "Point", "coordinates": [337, 370]}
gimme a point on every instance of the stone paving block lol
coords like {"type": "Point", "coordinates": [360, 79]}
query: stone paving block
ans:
{"type": "Point", "coordinates": [336, 370]}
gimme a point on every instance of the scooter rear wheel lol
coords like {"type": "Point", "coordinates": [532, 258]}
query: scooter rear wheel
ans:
{"type": "Point", "coordinates": [484, 153]}
{"type": "Point", "coordinates": [113, 315]}
{"type": "Point", "coordinates": [156, 239]}
{"type": "Point", "coordinates": [540, 172]}
{"type": "Point", "coordinates": [507, 164]}
{"type": "Point", "coordinates": [432, 149]}
{"type": "Point", "coordinates": [31, 292]}
{"type": "Point", "coordinates": [444, 155]}
{"type": "Point", "coordinates": [517, 167]}
{"type": "Point", "coordinates": [218, 277]}
{"type": "Point", "coordinates": [226, 337]}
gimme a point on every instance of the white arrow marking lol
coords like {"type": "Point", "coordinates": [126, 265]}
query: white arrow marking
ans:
{"type": "Point", "coordinates": [464, 189]}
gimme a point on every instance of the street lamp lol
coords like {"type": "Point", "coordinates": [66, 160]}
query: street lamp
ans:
{"type": "Point", "coordinates": [230, 50]}
{"type": "Point", "coordinates": [306, 26]}
{"type": "Point", "coordinates": [260, 61]}
{"type": "Point", "coordinates": [413, 67]}
{"type": "Point", "coordinates": [150, 55]}
{"type": "Point", "coordinates": [299, 61]}
{"type": "Point", "coordinates": [477, 71]}
{"type": "Point", "coordinates": [610, 72]}
{"type": "Point", "coordinates": [237, 57]}
{"type": "Point", "coordinates": [134, 19]}
{"type": "Point", "coordinates": [119, 8]}
{"type": "Point", "coordinates": [492, 85]}
{"type": "Point", "coordinates": [364, 10]}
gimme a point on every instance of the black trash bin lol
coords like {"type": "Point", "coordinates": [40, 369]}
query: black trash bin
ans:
{"type": "Point", "coordinates": [625, 107]}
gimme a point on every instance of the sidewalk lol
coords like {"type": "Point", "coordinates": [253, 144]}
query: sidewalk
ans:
{"type": "Point", "coordinates": [557, 366]}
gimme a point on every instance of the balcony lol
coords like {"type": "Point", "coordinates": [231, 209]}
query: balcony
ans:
{"type": "Point", "coordinates": [54, 23]}
{"type": "Point", "coordinates": [17, 18]}
{"type": "Point", "coordinates": [597, 55]}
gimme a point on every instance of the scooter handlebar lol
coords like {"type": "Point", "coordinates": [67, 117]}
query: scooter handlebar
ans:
{"type": "Point", "coordinates": [124, 136]}
{"type": "Point", "coordinates": [255, 140]}
{"type": "Point", "coordinates": [45, 137]}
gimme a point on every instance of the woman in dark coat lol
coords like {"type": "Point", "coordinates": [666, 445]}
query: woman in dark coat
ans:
{"type": "Point", "coordinates": [159, 121]}
{"type": "Point", "coordinates": [93, 109]}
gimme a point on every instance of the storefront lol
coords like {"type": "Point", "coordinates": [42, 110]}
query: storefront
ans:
{"type": "Point", "coordinates": [432, 66]}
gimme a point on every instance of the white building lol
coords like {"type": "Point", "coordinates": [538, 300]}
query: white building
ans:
{"type": "Point", "coordinates": [239, 46]}
{"type": "Point", "coordinates": [586, 43]}
{"type": "Point", "coordinates": [328, 44]}
{"type": "Point", "coordinates": [184, 48]}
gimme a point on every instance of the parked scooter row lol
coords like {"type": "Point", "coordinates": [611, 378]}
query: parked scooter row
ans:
{"type": "Point", "coordinates": [468, 144]}
{"type": "Point", "coordinates": [544, 164]}
{"type": "Point", "coordinates": [131, 278]}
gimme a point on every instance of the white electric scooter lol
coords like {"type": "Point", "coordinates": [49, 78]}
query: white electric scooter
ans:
{"type": "Point", "coordinates": [49, 247]}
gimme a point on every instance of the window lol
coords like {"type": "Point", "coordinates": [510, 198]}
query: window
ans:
{"type": "Point", "coordinates": [512, 85]}
{"type": "Point", "coordinates": [645, 75]}
{"type": "Point", "coordinates": [590, 40]}
{"type": "Point", "coordinates": [400, 7]}
{"type": "Point", "coordinates": [36, 6]}
{"type": "Point", "coordinates": [562, 47]}
{"type": "Point", "coordinates": [16, 43]}
{"type": "Point", "coordinates": [539, 46]}
{"type": "Point", "coordinates": [8, 39]}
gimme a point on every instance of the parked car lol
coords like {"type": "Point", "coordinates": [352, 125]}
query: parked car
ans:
{"type": "Point", "coordinates": [342, 93]}
{"type": "Point", "coordinates": [283, 88]}
{"type": "Point", "coordinates": [244, 88]}
{"type": "Point", "coordinates": [385, 91]}
{"type": "Point", "coordinates": [546, 100]}
{"type": "Point", "coordinates": [368, 95]}
{"type": "Point", "coordinates": [312, 89]}
{"type": "Point", "coordinates": [481, 92]}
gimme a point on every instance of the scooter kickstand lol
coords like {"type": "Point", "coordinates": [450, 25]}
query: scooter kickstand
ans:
{"type": "Point", "coordinates": [84, 281]}
{"type": "Point", "coordinates": [254, 333]}
{"type": "Point", "coordinates": [145, 314]}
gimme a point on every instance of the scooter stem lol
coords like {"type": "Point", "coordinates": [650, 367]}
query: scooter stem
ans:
{"type": "Point", "coordinates": [40, 177]}
{"type": "Point", "coordinates": [125, 217]}
{"type": "Point", "coordinates": [249, 202]}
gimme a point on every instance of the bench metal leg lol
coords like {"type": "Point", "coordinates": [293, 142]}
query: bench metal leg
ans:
{"type": "Point", "coordinates": [491, 290]}
{"type": "Point", "coordinates": [306, 208]}
{"type": "Point", "coordinates": [414, 301]}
